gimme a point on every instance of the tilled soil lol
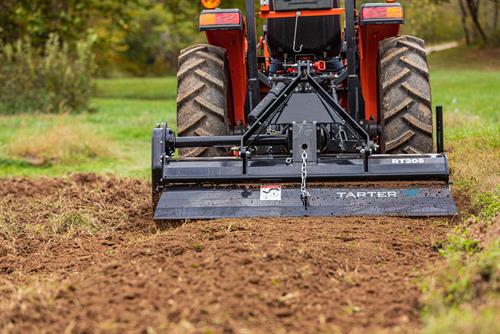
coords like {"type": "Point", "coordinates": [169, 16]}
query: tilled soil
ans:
{"type": "Point", "coordinates": [82, 255]}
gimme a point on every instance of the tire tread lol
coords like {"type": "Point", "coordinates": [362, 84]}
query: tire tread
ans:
{"type": "Point", "coordinates": [202, 84]}
{"type": "Point", "coordinates": [405, 96]}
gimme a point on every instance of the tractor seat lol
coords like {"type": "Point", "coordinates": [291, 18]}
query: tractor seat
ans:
{"type": "Point", "coordinates": [318, 34]}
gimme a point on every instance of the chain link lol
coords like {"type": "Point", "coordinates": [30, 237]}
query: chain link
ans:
{"type": "Point", "coordinates": [304, 194]}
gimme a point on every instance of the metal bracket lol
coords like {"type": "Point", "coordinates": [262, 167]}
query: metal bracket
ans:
{"type": "Point", "coordinates": [439, 129]}
{"type": "Point", "coordinates": [304, 138]}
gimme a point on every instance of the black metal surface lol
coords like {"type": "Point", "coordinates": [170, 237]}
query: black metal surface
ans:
{"type": "Point", "coordinates": [157, 162]}
{"type": "Point", "coordinates": [317, 35]}
{"type": "Point", "coordinates": [253, 76]}
{"type": "Point", "coordinates": [266, 101]}
{"type": "Point", "coordinates": [304, 107]}
{"type": "Point", "coordinates": [352, 80]}
{"type": "Point", "coordinates": [342, 168]}
{"type": "Point", "coordinates": [439, 129]}
{"type": "Point", "coordinates": [287, 5]}
{"type": "Point", "coordinates": [336, 114]}
{"type": "Point", "coordinates": [263, 140]}
{"type": "Point", "coordinates": [347, 120]}
{"type": "Point", "coordinates": [265, 80]}
{"type": "Point", "coordinates": [274, 201]}
{"type": "Point", "coordinates": [305, 139]}
{"type": "Point", "coordinates": [268, 113]}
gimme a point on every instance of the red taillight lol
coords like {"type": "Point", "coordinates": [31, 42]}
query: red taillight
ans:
{"type": "Point", "coordinates": [382, 12]}
{"type": "Point", "coordinates": [228, 18]}
{"type": "Point", "coordinates": [219, 19]}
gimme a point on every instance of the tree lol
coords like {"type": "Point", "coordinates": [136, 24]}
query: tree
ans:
{"type": "Point", "coordinates": [473, 6]}
{"type": "Point", "coordinates": [463, 11]}
{"type": "Point", "coordinates": [494, 24]}
{"type": "Point", "coordinates": [70, 19]}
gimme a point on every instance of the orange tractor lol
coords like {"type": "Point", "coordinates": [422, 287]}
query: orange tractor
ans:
{"type": "Point", "coordinates": [318, 117]}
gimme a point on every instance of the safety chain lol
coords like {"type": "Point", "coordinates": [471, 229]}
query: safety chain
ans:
{"type": "Point", "coordinates": [304, 194]}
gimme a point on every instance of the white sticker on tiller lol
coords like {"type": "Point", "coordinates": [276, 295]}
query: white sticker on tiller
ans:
{"type": "Point", "coordinates": [270, 193]}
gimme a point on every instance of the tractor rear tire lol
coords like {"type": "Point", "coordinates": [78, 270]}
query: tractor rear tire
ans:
{"type": "Point", "coordinates": [202, 86]}
{"type": "Point", "coordinates": [405, 95]}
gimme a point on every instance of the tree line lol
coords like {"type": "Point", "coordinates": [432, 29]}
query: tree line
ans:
{"type": "Point", "coordinates": [143, 37]}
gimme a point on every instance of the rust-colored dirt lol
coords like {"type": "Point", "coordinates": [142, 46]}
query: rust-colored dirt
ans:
{"type": "Point", "coordinates": [355, 275]}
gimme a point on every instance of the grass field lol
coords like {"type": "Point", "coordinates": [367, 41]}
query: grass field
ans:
{"type": "Point", "coordinates": [124, 125]}
{"type": "Point", "coordinates": [125, 110]}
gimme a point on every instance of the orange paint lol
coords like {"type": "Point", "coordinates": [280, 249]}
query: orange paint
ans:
{"type": "Point", "coordinates": [235, 43]}
{"type": "Point", "coordinates": [369, 39]}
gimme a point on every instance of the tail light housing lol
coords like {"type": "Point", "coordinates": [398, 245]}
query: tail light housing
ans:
{"type": "Point", "coordinates": [221, 19]}
{"type": "Point", "coordinates": [380, 13]}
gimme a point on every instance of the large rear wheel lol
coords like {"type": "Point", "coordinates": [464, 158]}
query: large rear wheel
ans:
{"type": "Point", "coordinates": [405, 95]}
{"type": "Point", "coordinates": [202, 85]}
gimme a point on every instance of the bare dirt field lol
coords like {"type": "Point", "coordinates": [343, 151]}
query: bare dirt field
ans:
{"type": "Point", "coordinates": [82, 255]}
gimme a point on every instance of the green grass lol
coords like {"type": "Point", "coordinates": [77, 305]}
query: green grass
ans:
{"type": "Point", "coordinates": [124, 112]}
{"type": "Point", "coordinates": [463, 295]}
{"type": "Point", "coordinates": [466, 58]}
{"type": "Point", "coordinates": [137, 88]}
{"type": "Point", "coordinates": [472, 125]}
{"type": "Point", "coordinates": [125, 123]}
{"type": "Point", "coordinates": [467, 92]}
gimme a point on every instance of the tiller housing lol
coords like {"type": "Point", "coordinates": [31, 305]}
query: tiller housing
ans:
{"type": "Point", "coordinates": [320, 124]}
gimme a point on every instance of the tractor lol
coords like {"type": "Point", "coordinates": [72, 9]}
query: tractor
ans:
{"type": "Point", "coordinates": [327, 113]}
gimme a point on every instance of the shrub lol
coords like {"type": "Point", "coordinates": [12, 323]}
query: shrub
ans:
{"type": "Point", "coordinates": [55, 79]}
